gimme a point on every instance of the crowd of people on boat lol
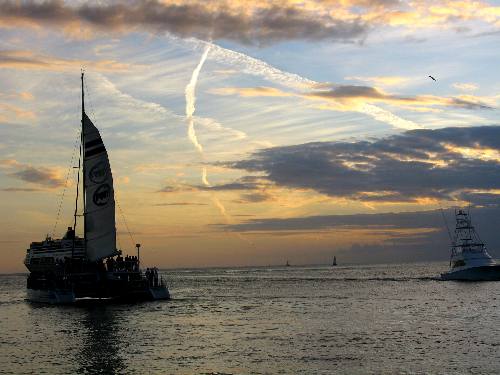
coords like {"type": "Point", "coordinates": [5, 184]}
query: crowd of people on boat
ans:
{"type": "Point", "coordinates": [125, 264]}
{"type": "Point", "coordinates": [121, 264]}
{"type": "Point", "coordinates": [152, 276]}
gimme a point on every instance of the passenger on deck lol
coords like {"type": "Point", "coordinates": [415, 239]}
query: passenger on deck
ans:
{"type": "Point", "coordinates": [155, 276]}
{"type": "Point", "coordinates": [110, 263]}
{"type": "Point", "coordinates": [119, 263]}
{"type": "Point", "coordinates": [70, 234]}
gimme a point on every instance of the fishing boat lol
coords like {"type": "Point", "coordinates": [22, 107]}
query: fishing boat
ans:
{"type": "Point", "coordinates": [334, 263]}
{"type": "Point", "coordinates": [469, 259]}
{"type": "Point", "coordinates": [62, 271]}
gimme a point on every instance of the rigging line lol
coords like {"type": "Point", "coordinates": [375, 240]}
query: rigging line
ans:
{"type": "Point", "coordinates": [91, 102]}
{"type": "Point", "coordinates": [119, 243]}
{"type": "Point", "coordinates": [61, 199]}
{"type": "Point", "coordinates": [125, 221]}
{"type": "Point", "coordinates": [449, 233]}
{"type": "Point", "coordinates": [473, 231]}
{"type": "Point", "coordinates": [446, 223]}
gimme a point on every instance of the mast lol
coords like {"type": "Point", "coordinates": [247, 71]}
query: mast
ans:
{"type": "Point", "coordinates": [78, 180]}
{"type": "Point", "coordinates": [83, 174]}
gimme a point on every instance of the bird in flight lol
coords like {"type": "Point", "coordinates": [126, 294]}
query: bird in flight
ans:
{"type": "Point", "coordinates": [431, 77]}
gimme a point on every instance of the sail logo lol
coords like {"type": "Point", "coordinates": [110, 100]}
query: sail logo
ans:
{"type": "Point", "coordinates": [102, 195]}
{"type": "Point", "coordinates": [98, 173]}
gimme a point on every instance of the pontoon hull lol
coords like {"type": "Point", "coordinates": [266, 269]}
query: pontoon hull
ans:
{"type": "Point", "coordinates": [120, 286]}
{"type": "Point", "coordinates": [484, 273]}
{"type": "Point", "coordinates": [65, 297]}
{"type": "Point", "coordinates": [51, 296]}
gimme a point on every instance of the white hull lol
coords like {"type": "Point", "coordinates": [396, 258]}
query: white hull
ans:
{"type": "Point", "coordinates": [51, 296]}
{"type": "Point", "coordinates": [159, 292]}
{"type": "Point", "coordinates": [482, 273]}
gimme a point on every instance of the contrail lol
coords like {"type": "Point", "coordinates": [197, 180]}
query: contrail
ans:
{"type": "Point", "coordinates": [388, 117]}
{"type": "Point", "coordinates": [204, 178]}
{"type": "Point", "coordinates": [252, 66]}
{"type": "Point", "coordinates": [190, 109]}
{"type": "Point", "coordinates": [215, 200]}
{"type": "Point", "coordinates": [247, 64]}
{"type": "Point", "coordinates": [191, 100]}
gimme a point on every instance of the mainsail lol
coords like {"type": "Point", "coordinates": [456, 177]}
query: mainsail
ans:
{"type": "Point", "coordinates": [100, 230]}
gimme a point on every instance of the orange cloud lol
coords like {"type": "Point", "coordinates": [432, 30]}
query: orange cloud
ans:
{"type": "Point", "coordinates": [466, 86]}
{"type": "Point", "coordinates": [12, 113]}
{"type": "Point", "coordinates": [361, 98]}
{"type": "Point", "coordinates": [42, 176]}
{"type": "Point", "coordinates": [250, 91]}
{"type": "Point", "coordinates": [382, 80]}
{"type": "Point", "coordinates": [18, 59]}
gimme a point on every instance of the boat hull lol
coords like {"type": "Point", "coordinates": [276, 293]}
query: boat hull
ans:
{"type": "Point", "coordinates": [159, 293]}
{"type": "Point", "coordinates": [51, 296]}
{"type": "Point", "coordinates": [94, 286]}
{"type": "Point", "coordinates": [482, 273]}
{"type": "Point", "coordinates": [66, 297]}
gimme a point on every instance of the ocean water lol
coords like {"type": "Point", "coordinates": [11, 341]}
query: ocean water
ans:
{"type": "Point", "coordinates": [384, 319]}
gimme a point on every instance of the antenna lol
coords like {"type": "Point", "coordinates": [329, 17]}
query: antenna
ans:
{"type": "Point", "coordinates": [138, 245]}
{"type": "Point", "coordinates": [447, 227]}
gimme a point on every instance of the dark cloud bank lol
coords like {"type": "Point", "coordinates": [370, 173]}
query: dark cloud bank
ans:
{"type": "Point", "coordinates": [430, 243]}
{"type": "Point", "coordinates": [262, 25]}
{"type": "Point", "coordinates": [406, 167]}
{"type": "Point", "coordinates": [396, 168]}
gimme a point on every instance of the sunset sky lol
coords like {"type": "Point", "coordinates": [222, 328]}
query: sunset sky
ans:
{"type": "Point", "coordinates": [316, 129]}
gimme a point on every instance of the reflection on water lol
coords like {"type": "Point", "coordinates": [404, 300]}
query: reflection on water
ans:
{"type": "Point", "coordinates": [295, 320]}
{"type": "Point", "coordinates": [100, 351]}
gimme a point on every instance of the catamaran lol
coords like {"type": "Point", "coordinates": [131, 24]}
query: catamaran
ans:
{"type": "Point", "coordinates": [469, 258]}
{"type": "Point", "coordinates": [67, 269]}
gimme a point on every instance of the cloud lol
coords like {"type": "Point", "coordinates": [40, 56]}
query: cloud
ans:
{"type": "Point", "coordinates": [9, 163]}
{"type": "Point", "coordinates": [381, 80]}
{"type": "Point", "coordinates": [14, 189]}
{"type": "Point", "coordinates": [232, 186]}
{"type": "Point", "coordinates": [180, 204]}
{"type": "Point", "coordinates": [257, 23]}
{"type": "Point", "coordinates": [465, 86]}
{"type": "Point", "coordinates": [383, 221]}
{"type": "Point", "coordinates": [350, 96]}
{"type": "Point", "coordinates": [250, 91]}
{"type": "Point", "coordinates": [255, 197]}
{"type": "Point", "coordinates": [168, 189]}
{"type": "Point", "coordinates": [382, 237]}
{"type": "Point", "coordinates": [354, 97]}
{"type": "Point", "coordinates": [362, 99]}
{"type": "Point", "coordinates": [249, 65]}
{"type": "Point", "coordinates": [410, 167]}
{"type": "Point", "coordinates": [22, 95]}
{"type": "Point", "coordinates": [20, 59]}
{"type": "Point", "coordinates": [46, 177]}
{"type": "Point", "coordinates": [251, 190]}
{"type": "Point", "coordinates": [41, 176]}
{"type": "Point", "coordinates": [14, 113]}
{"type": "Point", "coordinates": [481, 198]}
